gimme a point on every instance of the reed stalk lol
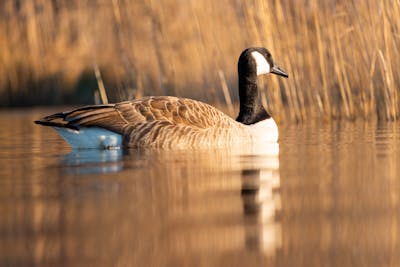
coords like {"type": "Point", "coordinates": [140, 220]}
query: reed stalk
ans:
{"type": "Point", "coordinates": [102, 89]}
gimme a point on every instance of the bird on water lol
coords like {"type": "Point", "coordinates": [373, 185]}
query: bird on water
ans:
{"type": "Point", "coordinates": [172, 122]}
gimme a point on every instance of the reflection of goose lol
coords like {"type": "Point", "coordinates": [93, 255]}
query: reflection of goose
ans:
{"type": "Point", "coordinates": [166, 121]}
{"type": "Point", "coordinates": [260, 202]}
{"type": "Point", "coordinates": [86, 161]}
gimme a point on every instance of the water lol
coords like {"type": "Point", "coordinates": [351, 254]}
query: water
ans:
{"type": "Point", "coordinates": [330, 198]}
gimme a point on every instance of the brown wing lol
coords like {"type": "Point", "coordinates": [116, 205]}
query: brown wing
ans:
{"type": "Point", "coordinates": [180, 111]}
{"type": "Point", "coordinates": [149, 110]}
{"type": "Point", "coordinates": [105, 116]}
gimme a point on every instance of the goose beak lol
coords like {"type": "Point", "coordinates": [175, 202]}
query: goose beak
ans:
{"type": "Point", "coordinates": [278, 71]}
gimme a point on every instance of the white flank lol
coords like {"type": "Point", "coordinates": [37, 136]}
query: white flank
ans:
{"type": "Point", "coordinates": [93, 137]}
{"type": "Point", "coordinates": [263, 66]}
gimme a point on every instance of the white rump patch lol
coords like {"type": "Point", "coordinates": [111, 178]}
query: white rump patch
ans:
{"type": "Point", "coordinates": [263, 66]}
{"type": "Point", "coordinates": [91, 137]}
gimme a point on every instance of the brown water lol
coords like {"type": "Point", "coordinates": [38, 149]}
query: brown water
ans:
{"type": "Point", "coordinates": [330, 198]}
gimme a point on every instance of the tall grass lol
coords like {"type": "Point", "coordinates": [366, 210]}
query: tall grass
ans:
{"type": "Point", "coordinates": [341, 56]}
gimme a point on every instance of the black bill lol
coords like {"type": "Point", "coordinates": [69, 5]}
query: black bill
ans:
{"type": "Point", "coordinates": [278, 71]}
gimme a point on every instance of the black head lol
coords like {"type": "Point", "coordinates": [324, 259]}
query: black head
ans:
{"type": "Point", "coordinates": [254, 61]}
{"type": "Point", "coordinates": [257, 61]}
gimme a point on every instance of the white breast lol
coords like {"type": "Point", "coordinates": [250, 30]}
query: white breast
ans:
{"type": "Point", "coordinates": [265, 131]}
{"type": "Point", "coordinates": [264, 138]}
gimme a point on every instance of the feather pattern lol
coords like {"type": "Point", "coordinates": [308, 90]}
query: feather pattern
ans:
{"type": "Point", "coordinates": [162, 121]}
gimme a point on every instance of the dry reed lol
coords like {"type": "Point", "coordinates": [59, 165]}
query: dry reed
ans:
{"type": "Point", "coordinates": [340, 55]}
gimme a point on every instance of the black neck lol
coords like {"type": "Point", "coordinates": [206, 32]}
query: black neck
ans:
{"type": "Point", "coordinates": [251, 108]}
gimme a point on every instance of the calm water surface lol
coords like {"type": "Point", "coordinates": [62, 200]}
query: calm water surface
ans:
{"type": "Point", "coordinates": [329, 198]}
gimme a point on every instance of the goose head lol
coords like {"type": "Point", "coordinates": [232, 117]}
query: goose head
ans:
{"type": "Point", "coordinates": [258, 61]}
{"type": "Point", "coordinates": [254, 61]}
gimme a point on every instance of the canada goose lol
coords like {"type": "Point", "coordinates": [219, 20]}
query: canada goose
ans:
{"type": "Point", "coordinates": [166, 121]}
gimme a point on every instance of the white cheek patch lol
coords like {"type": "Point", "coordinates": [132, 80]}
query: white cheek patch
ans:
{"type": "Point", "coordinates": [262, 64]}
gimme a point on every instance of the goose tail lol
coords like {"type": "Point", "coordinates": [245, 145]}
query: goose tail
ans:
{"type": "Point", "coordinates": [83, 128]}
{"type": "Point", "coordinates": [56, 120]}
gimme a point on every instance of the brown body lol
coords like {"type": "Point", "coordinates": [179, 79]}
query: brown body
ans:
{"type": "Point", "coordinates": [161, 121]}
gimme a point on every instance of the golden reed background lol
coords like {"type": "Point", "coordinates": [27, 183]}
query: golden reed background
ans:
{"type": "Point", "coordinates": [342, 56]}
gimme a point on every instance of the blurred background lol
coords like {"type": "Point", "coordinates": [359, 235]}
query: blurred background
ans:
{"type": "Point", "coordinates": [341, 56]}
{"type": "Point", "coordinates": [330, 197]}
